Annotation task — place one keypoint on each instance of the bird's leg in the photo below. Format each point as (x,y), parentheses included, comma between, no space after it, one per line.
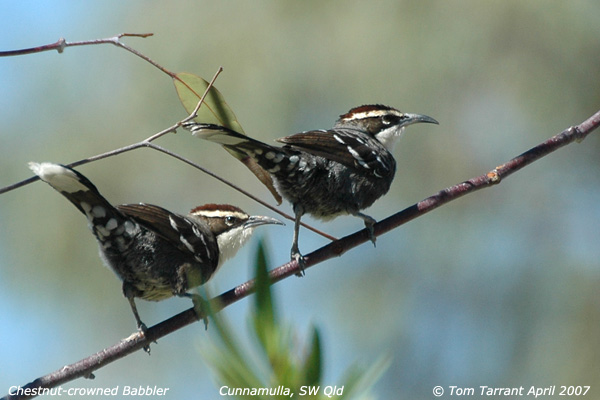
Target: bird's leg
(140,325)
(295,252)
(369,223)
(128,292)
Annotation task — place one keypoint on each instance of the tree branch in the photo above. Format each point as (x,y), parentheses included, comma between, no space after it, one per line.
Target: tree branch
(87,366)
(61,44)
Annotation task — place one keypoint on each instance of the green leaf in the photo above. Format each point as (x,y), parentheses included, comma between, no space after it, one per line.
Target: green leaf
(214,110)
(264,312)
(312,370)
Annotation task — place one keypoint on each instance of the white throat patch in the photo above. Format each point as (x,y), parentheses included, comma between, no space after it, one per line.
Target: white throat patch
(389,137)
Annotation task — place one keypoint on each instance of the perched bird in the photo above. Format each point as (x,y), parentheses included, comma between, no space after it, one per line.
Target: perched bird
(155,252)
(327,173)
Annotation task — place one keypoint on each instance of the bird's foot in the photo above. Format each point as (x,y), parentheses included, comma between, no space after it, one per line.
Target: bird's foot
(299,258)
(369,226)
(142,329)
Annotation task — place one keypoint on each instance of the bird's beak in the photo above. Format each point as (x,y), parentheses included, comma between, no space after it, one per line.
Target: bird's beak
(410,119)
(257,220)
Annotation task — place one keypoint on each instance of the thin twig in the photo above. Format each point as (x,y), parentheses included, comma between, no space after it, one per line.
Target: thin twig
(61,44)
(194,113)
(87,366)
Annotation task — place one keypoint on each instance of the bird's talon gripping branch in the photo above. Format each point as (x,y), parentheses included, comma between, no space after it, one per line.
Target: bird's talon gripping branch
(299,258)
(369,226)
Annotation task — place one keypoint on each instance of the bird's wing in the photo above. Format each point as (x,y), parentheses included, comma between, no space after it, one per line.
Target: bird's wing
(345,147)
(187,235)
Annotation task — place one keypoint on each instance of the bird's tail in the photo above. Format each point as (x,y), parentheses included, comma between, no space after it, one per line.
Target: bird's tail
(271,158)
(104,219)
(227,137)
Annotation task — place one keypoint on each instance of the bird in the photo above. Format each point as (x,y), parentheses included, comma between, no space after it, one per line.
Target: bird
(156,253)
(331,172)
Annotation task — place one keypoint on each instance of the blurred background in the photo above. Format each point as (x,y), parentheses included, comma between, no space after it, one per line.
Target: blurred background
(499,288)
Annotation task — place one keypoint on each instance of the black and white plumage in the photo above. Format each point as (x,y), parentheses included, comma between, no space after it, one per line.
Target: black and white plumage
(327,173)
(156,253)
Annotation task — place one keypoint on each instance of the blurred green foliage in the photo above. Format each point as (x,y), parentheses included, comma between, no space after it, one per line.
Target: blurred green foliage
(276,360)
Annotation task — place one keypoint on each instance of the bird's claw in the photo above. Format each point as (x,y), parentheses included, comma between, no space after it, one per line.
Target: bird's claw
(371,234)
(299,258)
(369,226)
(142,329)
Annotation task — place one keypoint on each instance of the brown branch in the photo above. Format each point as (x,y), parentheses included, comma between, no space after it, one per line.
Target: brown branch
(87,366)
(61,44)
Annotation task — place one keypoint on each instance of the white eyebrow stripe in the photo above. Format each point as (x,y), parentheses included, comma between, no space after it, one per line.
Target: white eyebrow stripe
(375,113)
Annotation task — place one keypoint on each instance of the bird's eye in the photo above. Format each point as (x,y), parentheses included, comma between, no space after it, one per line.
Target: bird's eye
(386,120)
(230,220)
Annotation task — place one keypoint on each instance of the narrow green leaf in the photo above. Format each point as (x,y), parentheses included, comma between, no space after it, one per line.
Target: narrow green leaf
(312,369)
(215,110)
(264,314)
